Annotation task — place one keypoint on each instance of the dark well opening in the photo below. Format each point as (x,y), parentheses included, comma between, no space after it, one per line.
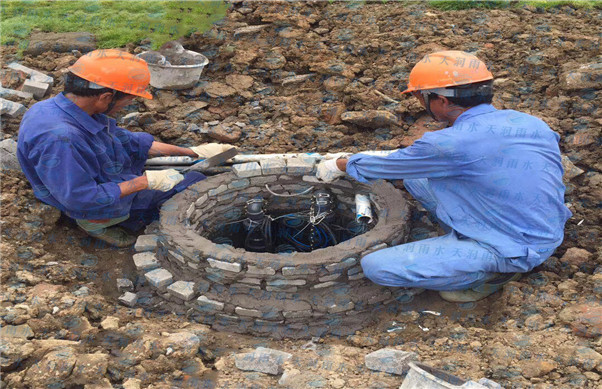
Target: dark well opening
(263,226)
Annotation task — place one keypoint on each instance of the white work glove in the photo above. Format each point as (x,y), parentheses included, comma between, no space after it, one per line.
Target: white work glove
(163,180)
(210,149)
(328,171)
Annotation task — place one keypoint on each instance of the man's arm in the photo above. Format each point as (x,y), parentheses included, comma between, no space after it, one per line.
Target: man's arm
(160,149)
(132,186)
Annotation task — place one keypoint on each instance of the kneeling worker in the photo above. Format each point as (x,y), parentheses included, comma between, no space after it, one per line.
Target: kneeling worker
(79,161)
(493,180)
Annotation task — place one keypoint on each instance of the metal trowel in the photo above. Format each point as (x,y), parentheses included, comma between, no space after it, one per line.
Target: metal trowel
(216,160)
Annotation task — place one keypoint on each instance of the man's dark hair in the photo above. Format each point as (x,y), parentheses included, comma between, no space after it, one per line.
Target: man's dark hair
(481,93)
(80,87)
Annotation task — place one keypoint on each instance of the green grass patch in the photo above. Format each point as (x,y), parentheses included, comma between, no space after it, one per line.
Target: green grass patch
(114,23)
(453,5)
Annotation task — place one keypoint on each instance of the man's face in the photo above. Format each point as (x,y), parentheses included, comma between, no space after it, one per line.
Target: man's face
(439,106)
(105,99)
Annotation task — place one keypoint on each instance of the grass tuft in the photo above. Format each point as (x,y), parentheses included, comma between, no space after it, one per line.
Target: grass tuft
(114,23)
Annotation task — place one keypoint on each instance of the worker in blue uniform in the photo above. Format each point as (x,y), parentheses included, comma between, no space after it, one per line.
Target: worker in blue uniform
(492,179)
(79,161)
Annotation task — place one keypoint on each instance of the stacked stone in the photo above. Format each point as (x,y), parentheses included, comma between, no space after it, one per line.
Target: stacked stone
(292,295)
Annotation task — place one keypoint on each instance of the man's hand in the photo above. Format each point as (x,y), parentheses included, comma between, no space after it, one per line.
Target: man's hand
(328,170)
(163,180)
(210,149)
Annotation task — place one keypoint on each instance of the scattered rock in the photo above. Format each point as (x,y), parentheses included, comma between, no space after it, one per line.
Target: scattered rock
(125,285)
(89,367)
(576,256)
(8,155)
(13,351)
(263,360)
(222,133)
(370,119)
(11,108)
(570,170)
(183,344)
(53,369)
(390,360)
(22,331)
(250,29)
(186,110)
(217,89)
(584,77)
(110,323)
(128,299)
(537,368)
(584,319)
(239,82)
(273,60)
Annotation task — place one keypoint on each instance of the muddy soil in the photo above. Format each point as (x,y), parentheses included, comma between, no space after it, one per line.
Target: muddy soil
(284,87)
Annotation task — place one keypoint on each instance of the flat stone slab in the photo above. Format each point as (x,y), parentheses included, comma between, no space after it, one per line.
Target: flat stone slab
(37,89)
(300,165)
(159,277)
(206,304)
(33,74)
(228,266)
(182,289)
(145,261)
(248,169)
(11,92)
(273,166)
(146,243)
(263,360)
(390,360)
(11,108)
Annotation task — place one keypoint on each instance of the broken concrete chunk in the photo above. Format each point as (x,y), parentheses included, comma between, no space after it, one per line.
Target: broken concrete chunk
(390,360)
(263,360)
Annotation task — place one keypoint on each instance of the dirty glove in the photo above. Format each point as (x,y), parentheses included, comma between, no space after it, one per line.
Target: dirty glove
(163,180)
(210,149)
(328,171)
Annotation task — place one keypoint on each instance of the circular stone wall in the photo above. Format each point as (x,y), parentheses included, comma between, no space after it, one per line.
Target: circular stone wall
(281,295)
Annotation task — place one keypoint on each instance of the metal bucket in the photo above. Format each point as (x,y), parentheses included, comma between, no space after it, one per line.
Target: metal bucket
(173,67)
(421,376)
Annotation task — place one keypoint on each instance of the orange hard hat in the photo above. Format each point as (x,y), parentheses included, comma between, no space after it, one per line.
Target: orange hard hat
(115,69)
(447,68)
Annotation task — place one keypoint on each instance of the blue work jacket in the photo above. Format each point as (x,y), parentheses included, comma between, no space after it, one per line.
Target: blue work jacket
(497,177)
(75,161)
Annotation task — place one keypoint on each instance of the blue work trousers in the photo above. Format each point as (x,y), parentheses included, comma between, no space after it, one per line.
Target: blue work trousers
(448,262)
(146,204)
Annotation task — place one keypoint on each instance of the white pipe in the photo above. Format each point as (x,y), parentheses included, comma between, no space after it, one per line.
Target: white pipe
(363,210)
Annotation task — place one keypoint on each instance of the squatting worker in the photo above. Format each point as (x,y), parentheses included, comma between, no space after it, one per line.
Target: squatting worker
(493,179)
(80,162)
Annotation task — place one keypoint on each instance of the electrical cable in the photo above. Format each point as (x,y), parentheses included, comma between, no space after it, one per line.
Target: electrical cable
(289,195)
